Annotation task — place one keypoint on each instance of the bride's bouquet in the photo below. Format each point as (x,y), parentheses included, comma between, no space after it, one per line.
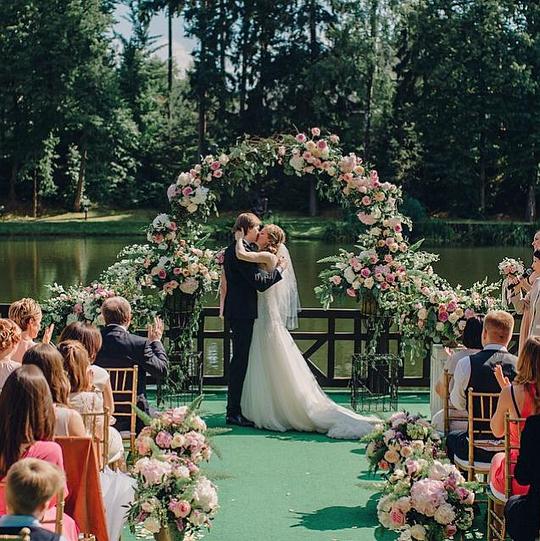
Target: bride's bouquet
(400,438)
(171,494)
(511,268)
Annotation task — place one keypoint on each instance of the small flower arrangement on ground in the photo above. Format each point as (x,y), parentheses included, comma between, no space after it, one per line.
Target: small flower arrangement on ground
(433,503)
(401,437)
(190,269)
(171,491)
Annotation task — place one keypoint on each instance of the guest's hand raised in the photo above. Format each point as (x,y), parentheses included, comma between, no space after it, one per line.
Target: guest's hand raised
(239,235)
(500,377)
(155,330)
(47,334)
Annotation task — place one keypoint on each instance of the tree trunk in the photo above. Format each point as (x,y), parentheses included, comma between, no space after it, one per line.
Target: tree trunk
(530,211)
(12,196)
(169,60)
(373,22)
(313,53)
(482,170)
(80,179)
(35,194)
(244,62)
(222,59)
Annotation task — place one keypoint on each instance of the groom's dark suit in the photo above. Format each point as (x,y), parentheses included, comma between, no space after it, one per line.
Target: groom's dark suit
(243,281)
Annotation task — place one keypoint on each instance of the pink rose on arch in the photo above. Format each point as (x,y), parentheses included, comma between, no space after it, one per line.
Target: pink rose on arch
(398,228)
(307,155)
(365,272)
(218,173)
(373,175)
(366,219)
(366,200)
(78,308)
(301,138)
(177,271)
(171,191)
(383,465)
(172,226)
(158,238)
(450,530)
(322,145)
(390,278)
(187,191)
(373,259)
(334,138)
(336,280)
(215,166)
(379,276)
(451,306)
(355,264)
(162,274)
(351,292)
(317,163)
(315,132)
(469,313)
(385,286)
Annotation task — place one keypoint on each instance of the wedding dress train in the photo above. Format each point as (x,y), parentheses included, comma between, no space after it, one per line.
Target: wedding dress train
(280,393)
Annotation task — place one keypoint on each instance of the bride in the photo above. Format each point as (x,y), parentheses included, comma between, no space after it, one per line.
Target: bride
(280,392)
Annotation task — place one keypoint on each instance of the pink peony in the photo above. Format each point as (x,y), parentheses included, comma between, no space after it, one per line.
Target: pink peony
(78,308)
(351,292)
(315,132)
(336,280)
(443,316)
(450,530)
(334,138)
(164,439)
(427,495)
(177,271)
(301,138)
(365,272)
(469,313)
(171,192)
(366,200)
(217,174)
(215,166)
(451,306)
(162,274)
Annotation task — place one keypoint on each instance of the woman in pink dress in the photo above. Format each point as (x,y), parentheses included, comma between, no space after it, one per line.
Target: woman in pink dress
(27,431)
(520,399)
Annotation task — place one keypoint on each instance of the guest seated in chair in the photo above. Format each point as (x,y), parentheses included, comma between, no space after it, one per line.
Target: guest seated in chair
(121,349)
(472,343)
(523,512)
(518,399)
(31,485)
(478,372)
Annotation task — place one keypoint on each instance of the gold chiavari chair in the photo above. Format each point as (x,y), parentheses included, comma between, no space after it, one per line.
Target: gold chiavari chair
(447,418)
(23,535)
(124,387)
(479,432)
(59,519)
(97,426)
(496,527)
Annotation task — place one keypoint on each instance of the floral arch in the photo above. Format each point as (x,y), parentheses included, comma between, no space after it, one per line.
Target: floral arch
(384,269)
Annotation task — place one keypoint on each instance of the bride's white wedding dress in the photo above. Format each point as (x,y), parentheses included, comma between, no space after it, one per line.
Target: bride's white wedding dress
(280,392)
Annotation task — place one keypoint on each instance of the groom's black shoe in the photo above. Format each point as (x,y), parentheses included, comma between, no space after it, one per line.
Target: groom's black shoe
(238,420)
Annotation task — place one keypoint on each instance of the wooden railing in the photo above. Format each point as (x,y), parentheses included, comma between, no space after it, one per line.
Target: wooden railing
(327,351)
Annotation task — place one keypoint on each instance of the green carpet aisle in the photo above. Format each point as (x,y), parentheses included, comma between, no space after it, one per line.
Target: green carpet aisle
(293,486)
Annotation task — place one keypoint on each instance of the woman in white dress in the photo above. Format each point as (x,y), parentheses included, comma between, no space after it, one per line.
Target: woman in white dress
(280,392)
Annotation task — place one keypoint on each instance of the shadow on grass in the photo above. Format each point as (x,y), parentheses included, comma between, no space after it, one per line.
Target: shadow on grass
(340,517)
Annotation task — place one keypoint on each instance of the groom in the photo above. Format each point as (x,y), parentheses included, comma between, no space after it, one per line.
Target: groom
(243,281)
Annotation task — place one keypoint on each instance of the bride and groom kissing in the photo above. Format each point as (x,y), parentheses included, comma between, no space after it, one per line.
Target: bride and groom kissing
(270,383)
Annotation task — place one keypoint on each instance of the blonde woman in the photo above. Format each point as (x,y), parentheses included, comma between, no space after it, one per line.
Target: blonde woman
(280,392)
(26,313)
(10,336)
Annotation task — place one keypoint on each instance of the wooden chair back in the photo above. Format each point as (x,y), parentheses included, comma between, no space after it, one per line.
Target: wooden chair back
(124,388)
(480,407)
(511,450)
(97,426)
(447,406)
(23,535)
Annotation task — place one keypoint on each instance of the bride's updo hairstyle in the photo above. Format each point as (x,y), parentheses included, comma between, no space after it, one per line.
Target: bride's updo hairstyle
(10,336)
(276,236)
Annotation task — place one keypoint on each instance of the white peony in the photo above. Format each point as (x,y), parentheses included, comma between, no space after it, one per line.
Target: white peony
(189,286)
(349,275)
(369,282)
(205,495)
(418,532)
(445,514)
(200,196)
(297,162)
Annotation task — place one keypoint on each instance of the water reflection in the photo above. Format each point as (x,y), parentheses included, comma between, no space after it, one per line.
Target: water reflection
(28,264)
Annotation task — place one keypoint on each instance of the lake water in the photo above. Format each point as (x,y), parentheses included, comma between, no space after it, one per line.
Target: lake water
(29,264)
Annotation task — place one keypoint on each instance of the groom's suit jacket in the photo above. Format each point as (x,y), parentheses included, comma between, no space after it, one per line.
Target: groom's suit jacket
(244,279)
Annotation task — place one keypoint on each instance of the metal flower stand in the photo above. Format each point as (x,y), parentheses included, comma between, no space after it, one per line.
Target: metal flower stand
(374,382)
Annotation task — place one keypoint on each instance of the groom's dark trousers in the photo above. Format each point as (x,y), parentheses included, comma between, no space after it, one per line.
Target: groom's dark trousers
(243,281)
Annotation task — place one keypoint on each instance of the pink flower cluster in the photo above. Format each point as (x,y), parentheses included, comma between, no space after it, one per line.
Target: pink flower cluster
(313,154)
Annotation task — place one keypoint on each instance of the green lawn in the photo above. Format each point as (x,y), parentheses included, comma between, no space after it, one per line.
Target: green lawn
(295,486)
